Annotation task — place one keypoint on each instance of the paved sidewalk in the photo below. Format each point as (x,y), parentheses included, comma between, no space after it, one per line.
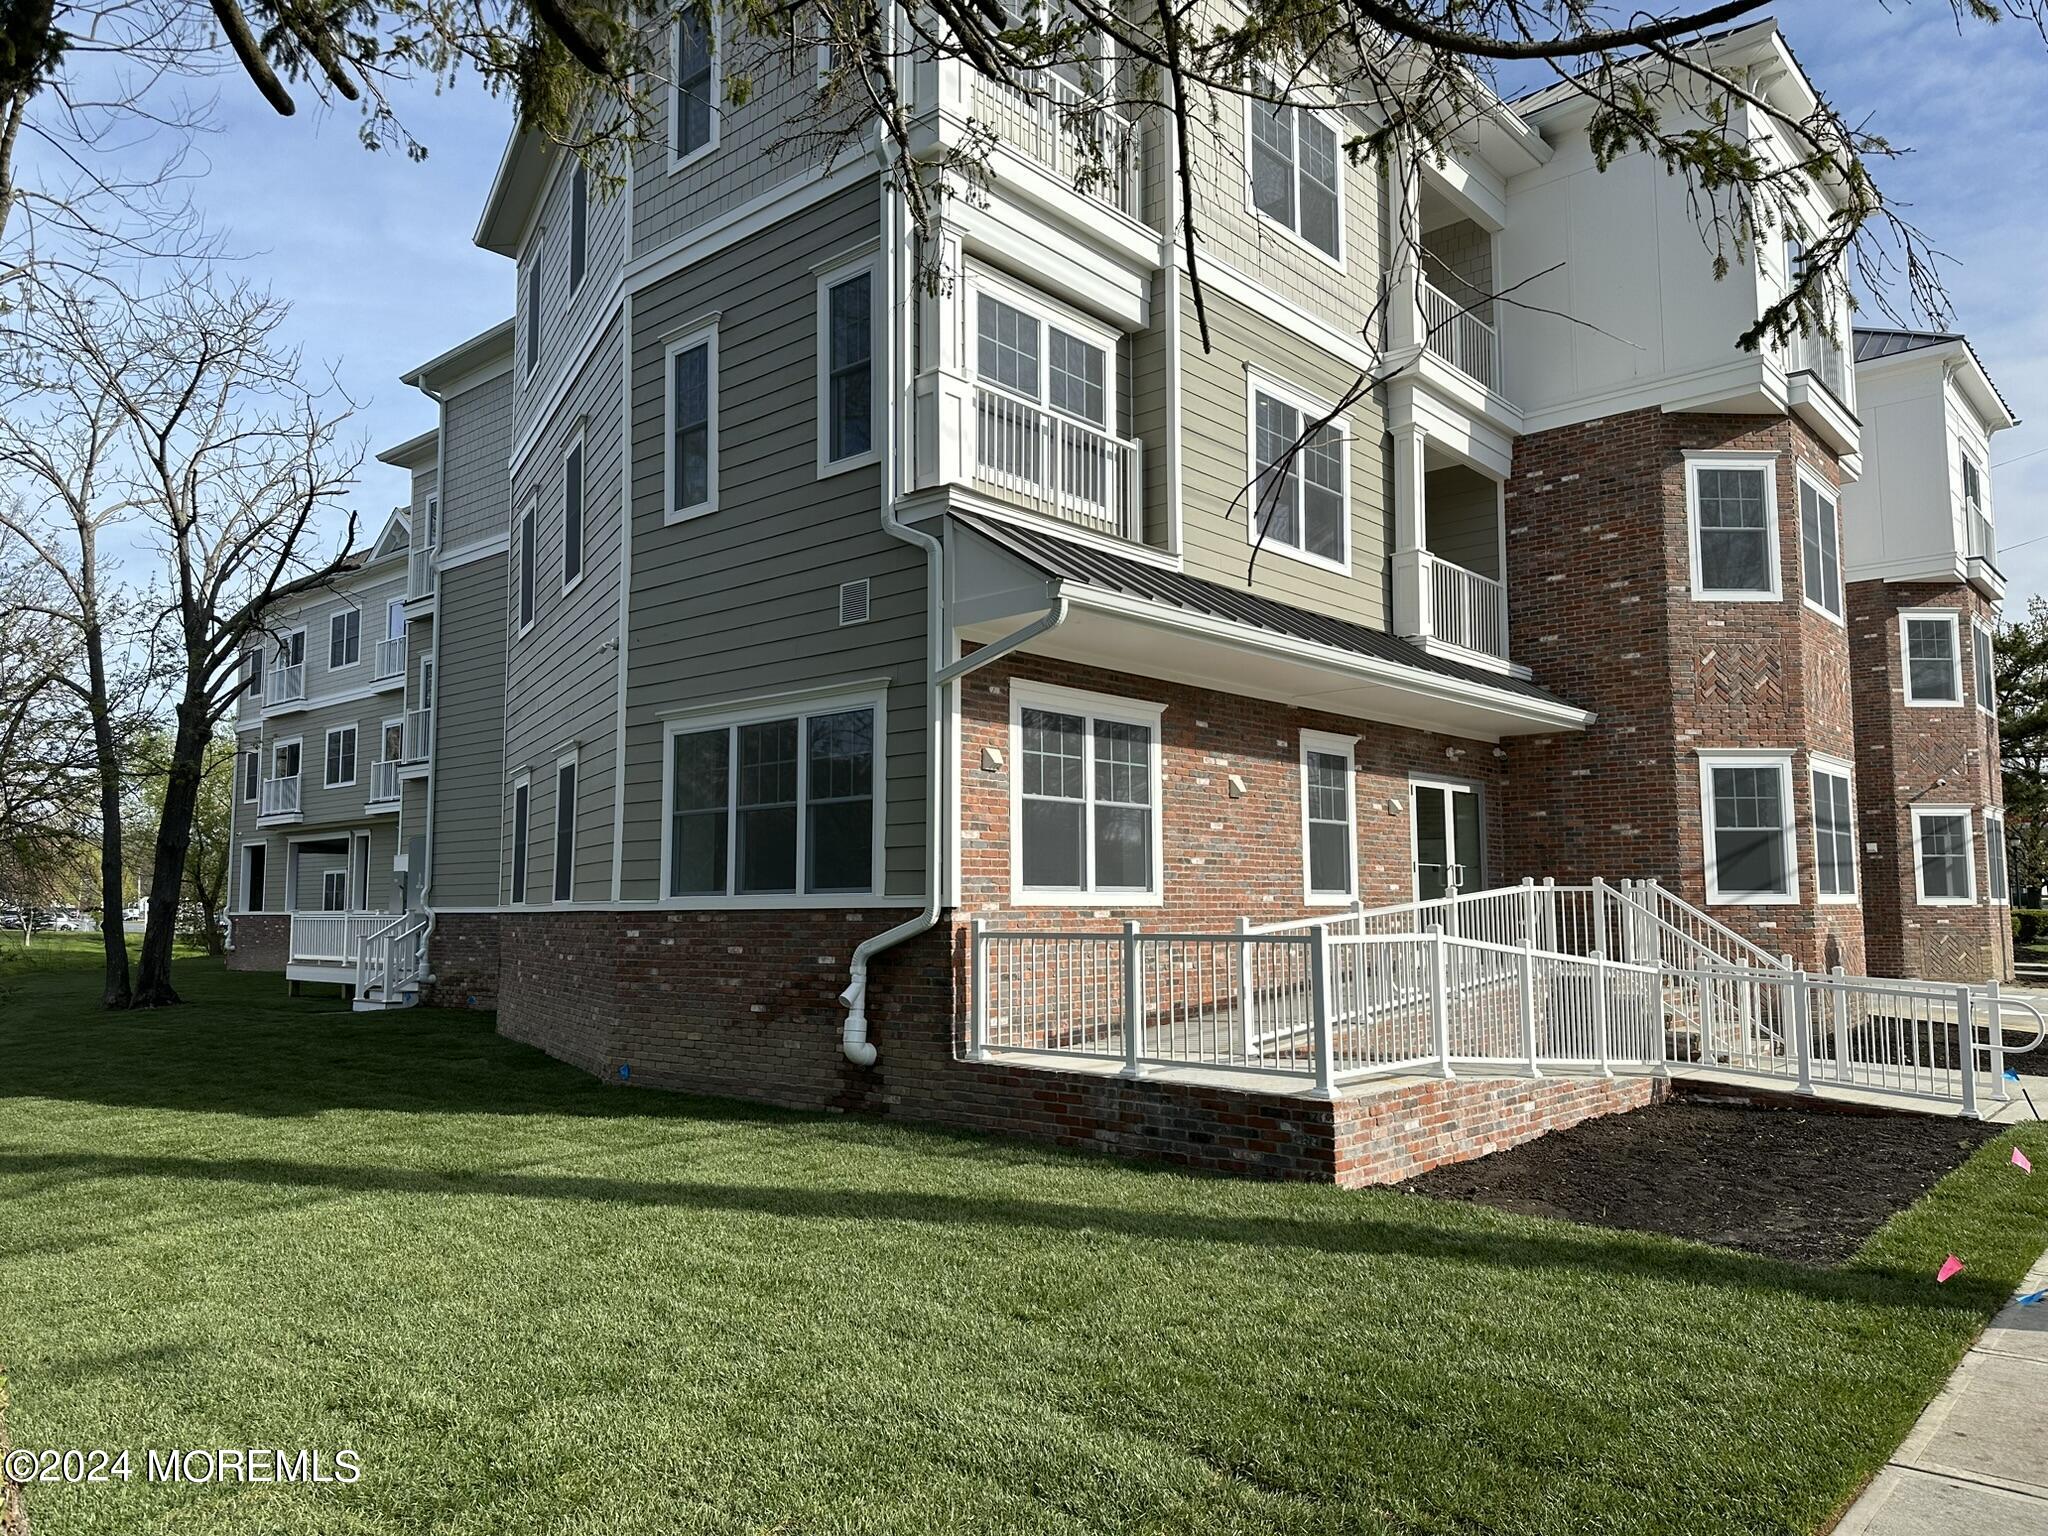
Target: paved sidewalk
(1977,1462)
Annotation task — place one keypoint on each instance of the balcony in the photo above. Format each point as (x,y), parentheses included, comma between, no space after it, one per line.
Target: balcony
(1055,466)
(390,659)
(384,783)
(1816,353)
(1453,333)
(287,684)
(1983,540)
(1451,605)
(421,571)
(278,797)
(419,734)
(1053,123)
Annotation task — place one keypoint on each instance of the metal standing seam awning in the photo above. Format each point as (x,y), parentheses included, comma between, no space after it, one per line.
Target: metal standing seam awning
(1126,615)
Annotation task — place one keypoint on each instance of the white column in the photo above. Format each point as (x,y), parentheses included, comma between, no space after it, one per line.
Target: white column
(1411,529)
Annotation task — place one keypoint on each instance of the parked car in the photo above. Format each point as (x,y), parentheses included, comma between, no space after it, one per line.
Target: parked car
(63,920)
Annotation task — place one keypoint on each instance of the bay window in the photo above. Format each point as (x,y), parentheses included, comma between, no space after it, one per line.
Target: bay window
(1834,832)
(1931,656)
(1820,548)
(1944,858)
(1733,511)
(1983,656)
(1746,805)
(1994,856)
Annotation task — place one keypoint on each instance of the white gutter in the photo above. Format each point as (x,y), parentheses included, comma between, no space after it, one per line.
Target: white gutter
(853,1040)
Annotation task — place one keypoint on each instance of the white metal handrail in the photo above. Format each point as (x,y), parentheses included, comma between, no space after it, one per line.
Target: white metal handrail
(334,938)
(390,660)
(421,573)
(384,781)
(287,684)
(1465,608)
(1055,465)
(279,797)
(1055,123)
(390,958)
(419,734)
(1453,332)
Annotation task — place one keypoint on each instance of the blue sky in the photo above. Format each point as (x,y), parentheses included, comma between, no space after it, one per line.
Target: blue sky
(374,250)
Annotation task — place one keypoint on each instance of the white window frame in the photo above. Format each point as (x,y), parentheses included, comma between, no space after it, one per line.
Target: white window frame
(526,568)
(298,742)
(1984,667)
(706,337)
(1256,383)
(327,879)
(1345,747)
(1767,463)
(831,278)
(680,162)
(1788,828)
(243,782)
(433,522)
(253,663)
(340,618)
(1994,817)
(1818,764)
(569,761)
(1954,619)
(285,639)
(1968,814)
(242,874)
(579,225)
(1266,220)
(1832,499)
(799,705)
(1047,311)
(327,752)
(578,454)
(519,863)
(1094,707)
(384,725)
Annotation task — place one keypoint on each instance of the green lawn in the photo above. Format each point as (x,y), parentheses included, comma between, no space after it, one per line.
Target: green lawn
(532,1303)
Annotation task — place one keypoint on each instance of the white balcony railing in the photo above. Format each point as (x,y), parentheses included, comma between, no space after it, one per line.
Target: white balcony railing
(419,734)
(1056,466)
(279,797)
(287,684)
(384,782)
(335,938)
(1438,599)
(1054,122)
(1983,539)
(1816,353)
(390,658)
(420,574)
(1455,334)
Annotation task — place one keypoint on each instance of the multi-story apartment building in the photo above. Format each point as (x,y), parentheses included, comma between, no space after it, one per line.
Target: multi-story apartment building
(777,616)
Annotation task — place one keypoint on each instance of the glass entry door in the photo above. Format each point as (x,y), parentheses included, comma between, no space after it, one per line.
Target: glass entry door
(1450,853)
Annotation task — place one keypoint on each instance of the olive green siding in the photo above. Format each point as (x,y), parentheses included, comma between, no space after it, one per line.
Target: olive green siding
(1464,518)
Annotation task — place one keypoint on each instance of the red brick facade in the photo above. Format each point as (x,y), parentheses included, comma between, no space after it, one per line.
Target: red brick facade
(462,955)
(1914,755)
(261,941)
(1601,607)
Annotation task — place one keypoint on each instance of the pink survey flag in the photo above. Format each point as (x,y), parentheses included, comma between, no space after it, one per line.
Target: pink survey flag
(1950,1268)
(2019,1161)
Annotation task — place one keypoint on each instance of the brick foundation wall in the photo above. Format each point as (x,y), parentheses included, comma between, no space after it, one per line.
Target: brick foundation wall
(1600,604)
(462,954)
(1907,756)
(262,940)
(1389,1137)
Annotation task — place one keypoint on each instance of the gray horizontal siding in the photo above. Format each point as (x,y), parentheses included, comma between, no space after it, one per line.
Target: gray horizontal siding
(469,735)
(567,316)
(477,442)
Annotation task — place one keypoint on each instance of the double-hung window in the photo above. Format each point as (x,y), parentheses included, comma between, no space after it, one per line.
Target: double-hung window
(776,805)
(252,674)
(1746,804)
(846,348)
(1295,172)
(579,224)
(1983,657)
(344,638)
(252,773)
(1301,503)
(565,828)
(1043,407)
(693,103)
(1087,797)
(522,802)
(1733,507)
(334,890)
(526,559)
(1944,858)
(1931,652)
(572,516)
(1329,825)
(1994,856)
(341,757)
(533,311)
(690,463)
(1834,832)
(1820,548)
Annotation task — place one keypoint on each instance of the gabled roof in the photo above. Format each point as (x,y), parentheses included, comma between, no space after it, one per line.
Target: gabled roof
(522,174)
(1089,566)
(414,451)
(1878,344)
(395,538)
(464,357)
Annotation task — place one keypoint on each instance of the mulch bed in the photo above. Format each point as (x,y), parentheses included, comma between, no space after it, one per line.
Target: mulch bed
(1787,1184)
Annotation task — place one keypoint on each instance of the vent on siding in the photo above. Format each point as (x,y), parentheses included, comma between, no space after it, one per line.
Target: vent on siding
(853,601)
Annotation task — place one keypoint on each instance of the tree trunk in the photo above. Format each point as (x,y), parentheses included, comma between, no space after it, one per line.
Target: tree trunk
(114,990)
(153,987)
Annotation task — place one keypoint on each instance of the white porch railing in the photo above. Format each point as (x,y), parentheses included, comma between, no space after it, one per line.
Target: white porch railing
(384,782)
(334,938)
(1056,466)
(1455,334)
(419,734)
(279,797)
(391,958)
(390,658)
(1054,123)
(420,573)
(286,684)
(1983,539)
(1818,354)
(1465,608)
